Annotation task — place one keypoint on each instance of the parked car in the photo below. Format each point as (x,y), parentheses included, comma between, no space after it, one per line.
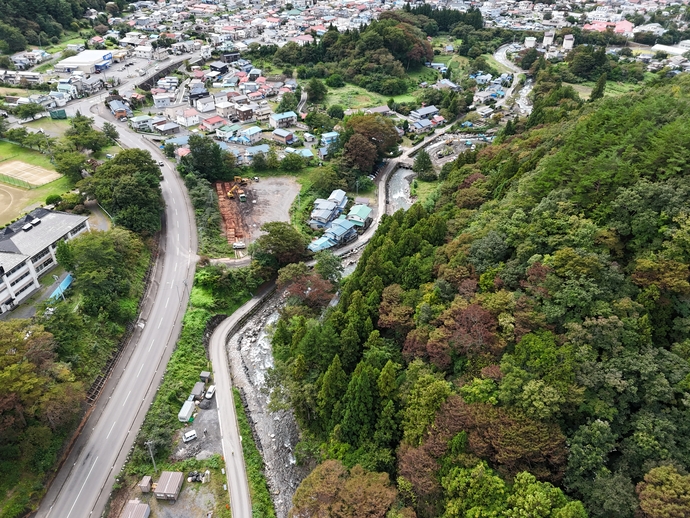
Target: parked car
(189,436)
(210,392)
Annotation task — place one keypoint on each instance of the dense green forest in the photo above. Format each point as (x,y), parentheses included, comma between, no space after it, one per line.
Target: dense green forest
(519,344)
(23,21)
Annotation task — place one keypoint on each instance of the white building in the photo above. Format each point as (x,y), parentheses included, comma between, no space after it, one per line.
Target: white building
(87,61)
(530,42)
(568,42)
(27,251)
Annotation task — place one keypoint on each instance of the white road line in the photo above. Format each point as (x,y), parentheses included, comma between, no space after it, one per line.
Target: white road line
(142,366)
(178,223)
(173,200)
(175,269)
(125,402)
(175,212)
(82,488)
(166,302)
(111,430)
(178,235)
(159,323)
(220,425)
(151,343)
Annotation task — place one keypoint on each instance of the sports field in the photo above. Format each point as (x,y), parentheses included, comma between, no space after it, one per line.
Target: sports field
(15,201)
(21,174)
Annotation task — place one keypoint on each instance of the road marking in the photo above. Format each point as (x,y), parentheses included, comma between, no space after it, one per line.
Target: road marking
(178,234)
(166,302)
(128,393)
(178,223)
(175,269)
(219,424)
(151,343)
(159,323)
(175,212)
(111,430)
(173,201)
(82,488)
(142,366)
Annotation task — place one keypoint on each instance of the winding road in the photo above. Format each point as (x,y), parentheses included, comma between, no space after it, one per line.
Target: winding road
(82,487)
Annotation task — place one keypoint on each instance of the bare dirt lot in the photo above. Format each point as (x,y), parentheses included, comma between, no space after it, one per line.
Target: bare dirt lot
(268,200)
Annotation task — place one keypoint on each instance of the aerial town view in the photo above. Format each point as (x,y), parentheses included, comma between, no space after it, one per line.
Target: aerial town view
(350,259)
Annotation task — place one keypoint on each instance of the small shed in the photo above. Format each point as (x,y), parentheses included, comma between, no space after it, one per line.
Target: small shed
(186,412)
(136,509)
(169,485)
(145,484)
(198,390)
(205,376)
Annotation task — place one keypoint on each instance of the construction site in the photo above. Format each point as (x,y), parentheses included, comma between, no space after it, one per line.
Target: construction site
(232,202)
(245,204)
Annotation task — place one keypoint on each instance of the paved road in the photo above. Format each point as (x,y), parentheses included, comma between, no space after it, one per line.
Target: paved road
(238,486)
(82,487)
(522,101)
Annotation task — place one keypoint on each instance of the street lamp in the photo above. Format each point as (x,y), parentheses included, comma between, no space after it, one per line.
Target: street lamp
(149,444)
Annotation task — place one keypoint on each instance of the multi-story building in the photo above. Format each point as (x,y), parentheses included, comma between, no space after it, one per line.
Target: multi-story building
(27,251)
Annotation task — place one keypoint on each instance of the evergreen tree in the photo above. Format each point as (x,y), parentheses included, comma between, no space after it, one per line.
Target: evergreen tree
(359,415)
(598,91)
(333,388)
(423,166)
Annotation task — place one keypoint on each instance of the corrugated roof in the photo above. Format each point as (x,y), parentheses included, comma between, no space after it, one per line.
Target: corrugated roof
(170,482)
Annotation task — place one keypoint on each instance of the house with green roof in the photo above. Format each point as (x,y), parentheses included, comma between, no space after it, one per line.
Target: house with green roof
(360,215)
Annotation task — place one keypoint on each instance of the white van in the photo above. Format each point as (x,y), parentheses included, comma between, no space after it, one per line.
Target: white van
(189,436)
(211,390)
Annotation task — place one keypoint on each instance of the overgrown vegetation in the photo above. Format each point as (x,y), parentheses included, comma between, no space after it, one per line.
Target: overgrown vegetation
(217,290)
(262,505)
(51,362)
(521,336)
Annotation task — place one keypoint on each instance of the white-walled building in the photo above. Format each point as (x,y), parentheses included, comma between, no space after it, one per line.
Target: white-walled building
(27,251)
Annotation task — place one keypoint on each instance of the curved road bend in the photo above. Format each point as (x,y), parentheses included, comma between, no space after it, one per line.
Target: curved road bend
(82,487)
(236,473)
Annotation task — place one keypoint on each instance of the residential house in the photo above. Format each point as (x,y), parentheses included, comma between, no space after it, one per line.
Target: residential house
(27,251)
(225,109)
(162,100)
(422,125)
(341,231)
(326,211)
(212,123)
(228,131)
(251,152)
(423,113)
(119,109)
(144,51)
(187,118)
(360,215)
(250,136)
(219,66)
(244,113)
(205,104)
(167,128)
(381,110)
(329,138)
(282,120)
(141,123)
(282,136)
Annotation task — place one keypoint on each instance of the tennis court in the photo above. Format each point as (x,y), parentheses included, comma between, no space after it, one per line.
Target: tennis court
(26,176)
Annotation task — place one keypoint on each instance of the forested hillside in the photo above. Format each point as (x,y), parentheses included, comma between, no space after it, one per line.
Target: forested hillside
(21,21)
(519,345)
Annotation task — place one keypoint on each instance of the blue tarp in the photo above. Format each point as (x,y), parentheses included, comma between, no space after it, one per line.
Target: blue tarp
(66,282)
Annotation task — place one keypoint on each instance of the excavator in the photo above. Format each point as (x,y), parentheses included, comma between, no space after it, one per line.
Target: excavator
(240,193)
(241,181)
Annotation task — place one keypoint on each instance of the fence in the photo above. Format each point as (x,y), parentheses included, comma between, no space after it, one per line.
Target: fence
(15,182)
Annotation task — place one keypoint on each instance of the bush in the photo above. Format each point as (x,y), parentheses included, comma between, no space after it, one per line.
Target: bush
(53,199)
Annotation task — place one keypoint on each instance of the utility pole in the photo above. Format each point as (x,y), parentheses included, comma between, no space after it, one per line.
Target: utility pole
(149,443)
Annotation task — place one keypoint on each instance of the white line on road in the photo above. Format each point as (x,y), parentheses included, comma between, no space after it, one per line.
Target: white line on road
(175,212)
(159,323)
(82,488)
(166,302)
(128,393)
(178,223)
(175,269)
(111,430)
(142,366)
(151,343)
(220,425)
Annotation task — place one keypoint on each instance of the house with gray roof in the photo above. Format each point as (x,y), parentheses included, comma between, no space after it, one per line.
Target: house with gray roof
(27,251)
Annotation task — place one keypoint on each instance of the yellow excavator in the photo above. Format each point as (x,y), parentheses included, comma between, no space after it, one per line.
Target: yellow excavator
(241,181)
(231,192)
